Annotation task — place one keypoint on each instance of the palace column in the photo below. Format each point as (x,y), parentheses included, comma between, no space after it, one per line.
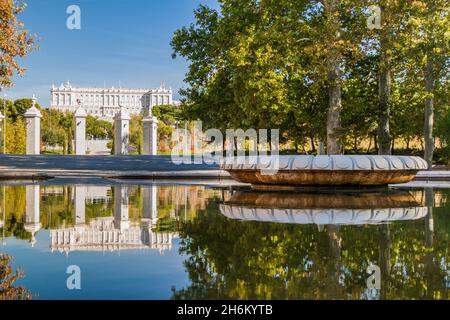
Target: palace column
(121,218)
(80,131)
(33,119)
(121,132)
(32,219)
(150,128)
(80,205)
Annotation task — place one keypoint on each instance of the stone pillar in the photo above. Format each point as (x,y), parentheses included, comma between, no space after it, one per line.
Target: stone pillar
(150,205)
(121,218)
(33,118)
(150,125)
(80,131)
(80,205)
(121,132)
(32,219)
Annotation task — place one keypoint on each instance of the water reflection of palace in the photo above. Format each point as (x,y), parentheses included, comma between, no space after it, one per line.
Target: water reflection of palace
(102,233)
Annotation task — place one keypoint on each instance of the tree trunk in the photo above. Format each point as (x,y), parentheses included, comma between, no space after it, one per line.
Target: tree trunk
(375,139)
(334,140)
(297,146)
(429,115)
(430,265)
(65,146)
(334,130)
(334,256)
(69,142)
(392,145)
(384,91)
(384,83)
(370,144)
(312,145)
(385,244)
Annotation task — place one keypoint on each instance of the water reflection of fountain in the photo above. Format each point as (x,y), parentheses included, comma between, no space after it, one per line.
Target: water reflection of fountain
(324,208)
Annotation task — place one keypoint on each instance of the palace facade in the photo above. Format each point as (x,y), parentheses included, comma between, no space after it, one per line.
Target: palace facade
(104,103)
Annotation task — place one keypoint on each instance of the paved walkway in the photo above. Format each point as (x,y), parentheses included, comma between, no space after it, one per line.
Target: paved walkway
(130,167)
(438,175)
(42,166)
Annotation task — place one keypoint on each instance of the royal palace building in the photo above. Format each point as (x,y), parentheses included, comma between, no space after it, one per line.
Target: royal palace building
(104,103)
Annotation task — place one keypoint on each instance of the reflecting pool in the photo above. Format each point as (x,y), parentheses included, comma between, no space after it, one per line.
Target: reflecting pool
(152,241)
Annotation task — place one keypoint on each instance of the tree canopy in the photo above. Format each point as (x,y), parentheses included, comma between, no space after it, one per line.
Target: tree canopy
(315,70)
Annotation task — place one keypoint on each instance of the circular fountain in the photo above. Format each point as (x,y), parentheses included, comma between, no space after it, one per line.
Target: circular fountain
(323,170)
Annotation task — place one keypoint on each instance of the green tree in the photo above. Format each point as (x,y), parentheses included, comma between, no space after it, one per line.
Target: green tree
(265,64)
(16,137)
(22,105)
(430,47)
(136,133)
(98,129)
(57,128)
(169,117)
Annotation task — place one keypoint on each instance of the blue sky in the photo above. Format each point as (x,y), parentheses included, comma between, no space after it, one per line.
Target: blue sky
(123,42)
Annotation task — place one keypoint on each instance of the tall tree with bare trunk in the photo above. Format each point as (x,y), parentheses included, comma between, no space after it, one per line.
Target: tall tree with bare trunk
(429,42)
(334,129)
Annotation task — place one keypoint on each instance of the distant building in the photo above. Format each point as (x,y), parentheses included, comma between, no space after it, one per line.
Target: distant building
(104,103)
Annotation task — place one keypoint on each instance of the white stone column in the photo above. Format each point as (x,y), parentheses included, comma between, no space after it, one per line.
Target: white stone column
(80,131)
(32,205)
(80,205)
(150,128)
(121,217)
(33,118)
(150,205)
(121,132)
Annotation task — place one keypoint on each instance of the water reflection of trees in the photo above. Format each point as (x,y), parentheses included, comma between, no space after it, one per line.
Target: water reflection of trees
(9,291)
(230,259)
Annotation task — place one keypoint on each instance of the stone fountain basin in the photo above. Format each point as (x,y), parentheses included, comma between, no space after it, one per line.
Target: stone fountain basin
(324,170)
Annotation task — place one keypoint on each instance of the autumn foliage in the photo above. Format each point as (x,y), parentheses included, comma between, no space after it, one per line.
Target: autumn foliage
(15,41)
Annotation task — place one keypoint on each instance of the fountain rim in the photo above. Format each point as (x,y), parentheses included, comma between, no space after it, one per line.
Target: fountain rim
(324,163)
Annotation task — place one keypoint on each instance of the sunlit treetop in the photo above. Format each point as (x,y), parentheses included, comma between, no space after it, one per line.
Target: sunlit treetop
(15,40)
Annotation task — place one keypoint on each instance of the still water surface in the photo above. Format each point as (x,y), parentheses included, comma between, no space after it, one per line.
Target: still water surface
(195,242)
